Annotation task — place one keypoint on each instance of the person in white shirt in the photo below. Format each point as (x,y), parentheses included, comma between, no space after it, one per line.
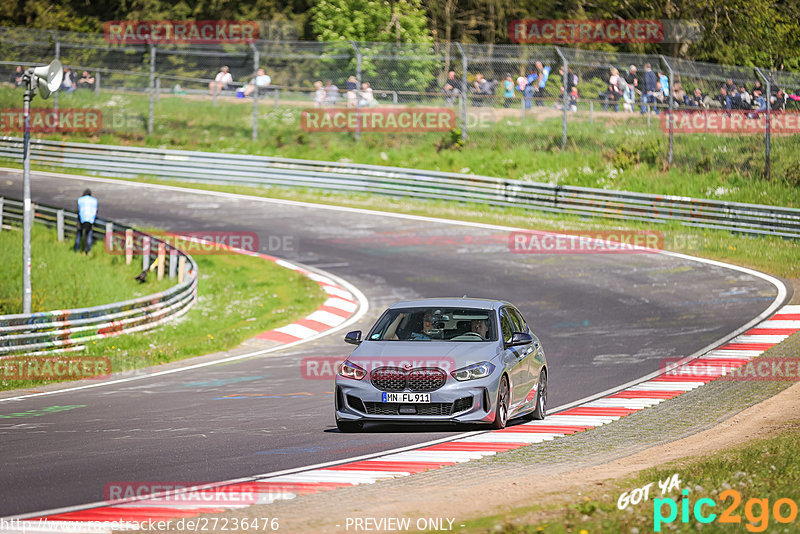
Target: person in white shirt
(221,81)
(367,98)
(262,81)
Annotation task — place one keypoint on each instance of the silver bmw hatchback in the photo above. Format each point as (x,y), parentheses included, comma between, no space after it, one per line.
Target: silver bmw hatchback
(443,360)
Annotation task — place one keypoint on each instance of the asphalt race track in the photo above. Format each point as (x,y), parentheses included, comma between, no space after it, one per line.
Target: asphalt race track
(604,319)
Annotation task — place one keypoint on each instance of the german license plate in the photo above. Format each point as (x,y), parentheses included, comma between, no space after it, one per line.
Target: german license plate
(411,398)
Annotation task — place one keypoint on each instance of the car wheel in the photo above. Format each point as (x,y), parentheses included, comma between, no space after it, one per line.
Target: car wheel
(501,409)
(541,398)
(349,426)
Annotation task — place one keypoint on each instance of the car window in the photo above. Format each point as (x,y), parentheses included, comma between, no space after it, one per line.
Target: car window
(435,324)
(519,323)
(506,324)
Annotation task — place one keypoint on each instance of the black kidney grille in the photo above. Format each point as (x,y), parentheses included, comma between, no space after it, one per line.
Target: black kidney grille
(393,408)
(425,379)
(419,379)
(388,379)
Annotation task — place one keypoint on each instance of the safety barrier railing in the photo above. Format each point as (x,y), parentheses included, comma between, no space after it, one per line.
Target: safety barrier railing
(131,162)
(67,330)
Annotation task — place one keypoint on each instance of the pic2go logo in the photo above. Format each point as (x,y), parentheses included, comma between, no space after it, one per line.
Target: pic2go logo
(756,511)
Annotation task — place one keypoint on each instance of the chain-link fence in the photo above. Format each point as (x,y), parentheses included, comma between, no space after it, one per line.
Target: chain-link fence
(605,106)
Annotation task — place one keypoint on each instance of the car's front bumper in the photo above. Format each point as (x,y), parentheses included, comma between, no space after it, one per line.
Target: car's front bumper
(456,402)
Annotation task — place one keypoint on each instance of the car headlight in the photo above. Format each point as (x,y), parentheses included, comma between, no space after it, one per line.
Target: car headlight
(350,370)
(471,372)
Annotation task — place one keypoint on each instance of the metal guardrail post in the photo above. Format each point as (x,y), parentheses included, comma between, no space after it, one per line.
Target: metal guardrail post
(464,92)
(565,99)
(671,117)
(128,246)
(358,88)
(60,225)
(109,237)
(1,214)
(152,88)
(255,90)
(162,249)
(145,252)
(173,262)
(181,269)
(768,128)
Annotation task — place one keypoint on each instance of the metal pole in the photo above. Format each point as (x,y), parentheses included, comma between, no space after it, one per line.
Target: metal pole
(1,214)
(671,107)
(97,84)
(565,102)
(110,237)
(58,56)
(26,194)
(768,129)
(152,87)
(358,88)
(464,100)
(60,225)
(255,90)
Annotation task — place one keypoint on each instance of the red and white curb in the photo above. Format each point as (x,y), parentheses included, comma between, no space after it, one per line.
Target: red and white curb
(127,514)
(338,308)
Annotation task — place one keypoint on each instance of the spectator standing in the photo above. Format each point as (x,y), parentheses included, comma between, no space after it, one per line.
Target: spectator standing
(87,214)
(261,81)
(68,82)
(86,81)
(664,81)
(452,88)
(352,91)
(331,93)
(530,88)
(319,95)
(221,81)
(508,91)
(543,75)
(612,93)
(632,79)
(649,90)
(16,76)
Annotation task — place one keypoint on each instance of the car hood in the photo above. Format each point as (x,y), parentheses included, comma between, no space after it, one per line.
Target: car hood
(447,355)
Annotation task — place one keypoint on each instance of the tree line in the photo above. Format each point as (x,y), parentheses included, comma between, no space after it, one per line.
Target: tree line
(763,33)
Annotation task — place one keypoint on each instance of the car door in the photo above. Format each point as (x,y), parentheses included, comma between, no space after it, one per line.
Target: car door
(515,358)
(535,358)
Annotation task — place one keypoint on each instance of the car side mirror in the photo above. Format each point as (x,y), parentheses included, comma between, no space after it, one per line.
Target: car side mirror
(519,338)
(354,337)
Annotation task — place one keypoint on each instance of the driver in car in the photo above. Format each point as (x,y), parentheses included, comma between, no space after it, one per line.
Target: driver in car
(427,328)
(480,327)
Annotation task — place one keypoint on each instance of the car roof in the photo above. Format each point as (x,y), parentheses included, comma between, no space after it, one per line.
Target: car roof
(452,302)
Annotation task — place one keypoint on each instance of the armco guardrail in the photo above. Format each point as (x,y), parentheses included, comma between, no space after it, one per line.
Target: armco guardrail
(261,170)
(62,330)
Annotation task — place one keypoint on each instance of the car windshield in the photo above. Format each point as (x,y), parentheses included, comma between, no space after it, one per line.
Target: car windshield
(435,324)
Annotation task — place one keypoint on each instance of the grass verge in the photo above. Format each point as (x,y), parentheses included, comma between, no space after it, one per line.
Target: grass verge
(763,469)
(62,279)
(238,297)
(613,151)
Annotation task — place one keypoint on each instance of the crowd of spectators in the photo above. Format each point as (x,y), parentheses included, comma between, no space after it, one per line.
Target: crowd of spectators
(68,81)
